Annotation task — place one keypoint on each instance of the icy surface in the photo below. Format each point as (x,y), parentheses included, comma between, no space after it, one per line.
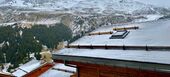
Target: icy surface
(149,33)
(132,55)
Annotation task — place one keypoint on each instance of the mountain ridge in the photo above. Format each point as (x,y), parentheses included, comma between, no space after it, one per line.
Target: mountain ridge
(84,6)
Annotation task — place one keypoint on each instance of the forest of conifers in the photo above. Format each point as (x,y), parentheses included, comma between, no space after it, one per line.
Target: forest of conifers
(18,43)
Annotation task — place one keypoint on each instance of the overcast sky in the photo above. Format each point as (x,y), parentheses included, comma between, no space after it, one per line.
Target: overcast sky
(164,3)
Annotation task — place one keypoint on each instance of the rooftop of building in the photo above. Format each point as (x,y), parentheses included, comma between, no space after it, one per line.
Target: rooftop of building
(144,48)
(149,33)
(56,70)
(147,47)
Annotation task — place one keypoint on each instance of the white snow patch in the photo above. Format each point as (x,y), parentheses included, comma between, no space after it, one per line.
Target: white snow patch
(7,43)
(32,55)
(48,21)
(1,44)
(149,18)
(6,66)
(20,32)
(53,73)
(28,67)
(62,66)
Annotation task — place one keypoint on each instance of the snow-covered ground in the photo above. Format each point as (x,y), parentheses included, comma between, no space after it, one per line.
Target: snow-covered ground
(98,6)
(151,17)
(5,69)
(5,24)
(45,21)
(48,22)
(1,44)
(2,1)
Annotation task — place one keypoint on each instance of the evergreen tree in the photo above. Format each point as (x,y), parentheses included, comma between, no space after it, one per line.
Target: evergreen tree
(18,47)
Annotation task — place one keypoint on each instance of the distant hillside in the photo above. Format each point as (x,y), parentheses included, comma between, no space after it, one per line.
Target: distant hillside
(85,6)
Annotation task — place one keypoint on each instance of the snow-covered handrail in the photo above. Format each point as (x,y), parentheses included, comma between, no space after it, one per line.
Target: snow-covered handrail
(121,47)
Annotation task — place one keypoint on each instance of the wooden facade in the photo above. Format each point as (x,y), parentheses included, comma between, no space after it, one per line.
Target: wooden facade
(94,70)
(37,72)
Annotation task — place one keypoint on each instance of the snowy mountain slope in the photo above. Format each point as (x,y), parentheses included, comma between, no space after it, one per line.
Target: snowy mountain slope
(2,1)
(87,6)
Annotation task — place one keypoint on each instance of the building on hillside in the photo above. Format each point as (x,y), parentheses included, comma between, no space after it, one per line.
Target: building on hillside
(143,52)
(35,68)
(44,67)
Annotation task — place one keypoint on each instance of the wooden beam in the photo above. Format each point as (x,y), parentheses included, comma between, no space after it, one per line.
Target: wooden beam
(125,28)
(100,33)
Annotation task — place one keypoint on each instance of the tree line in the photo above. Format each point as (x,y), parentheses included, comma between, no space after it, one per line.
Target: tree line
(18,43)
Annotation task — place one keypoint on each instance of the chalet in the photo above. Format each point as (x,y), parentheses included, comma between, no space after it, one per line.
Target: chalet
(144,52)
